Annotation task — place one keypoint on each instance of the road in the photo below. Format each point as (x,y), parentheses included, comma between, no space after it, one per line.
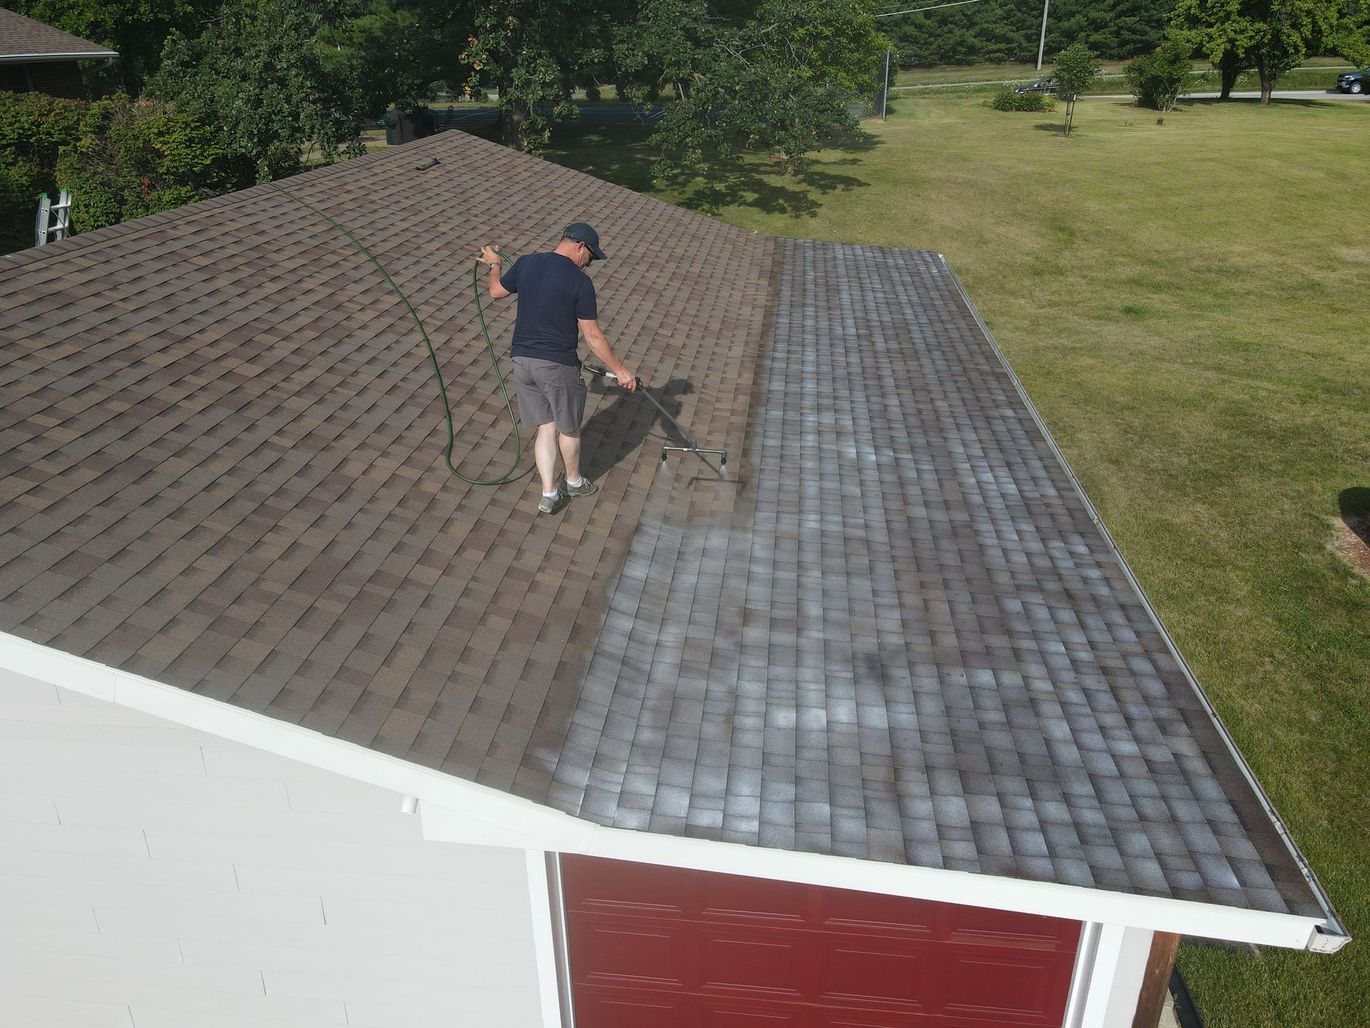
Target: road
(1279,94)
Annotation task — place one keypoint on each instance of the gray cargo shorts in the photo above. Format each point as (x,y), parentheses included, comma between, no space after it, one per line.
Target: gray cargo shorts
(548,391)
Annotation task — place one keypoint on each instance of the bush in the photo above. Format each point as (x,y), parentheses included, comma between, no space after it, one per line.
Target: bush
(33,129)
(592,93)
(1159,78)
(134,158)
(1005,99)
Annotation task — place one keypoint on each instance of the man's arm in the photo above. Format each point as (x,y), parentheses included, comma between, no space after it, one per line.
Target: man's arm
(599,346)
(491,260)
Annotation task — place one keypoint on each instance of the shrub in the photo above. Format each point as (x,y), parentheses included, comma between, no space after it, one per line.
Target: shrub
(134,158)
(592,93)
(1005,99)
(1157,79)
(33,129)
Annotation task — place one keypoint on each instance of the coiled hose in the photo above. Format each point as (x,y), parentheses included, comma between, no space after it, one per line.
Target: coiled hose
(432,353)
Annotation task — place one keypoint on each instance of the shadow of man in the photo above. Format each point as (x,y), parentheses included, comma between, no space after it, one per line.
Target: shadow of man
(620,428)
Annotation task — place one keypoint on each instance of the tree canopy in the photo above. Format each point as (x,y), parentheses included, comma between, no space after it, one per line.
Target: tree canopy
(258,76)
(1007,30)
(780,79)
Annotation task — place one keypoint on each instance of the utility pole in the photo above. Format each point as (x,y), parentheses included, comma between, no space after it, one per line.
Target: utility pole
(1042,43)
(885,92)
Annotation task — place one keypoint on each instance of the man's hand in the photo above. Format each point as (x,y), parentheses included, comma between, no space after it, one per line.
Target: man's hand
(626,379)
(489,257)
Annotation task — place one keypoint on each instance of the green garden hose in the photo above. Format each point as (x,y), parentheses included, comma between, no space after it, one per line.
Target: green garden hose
(432,354)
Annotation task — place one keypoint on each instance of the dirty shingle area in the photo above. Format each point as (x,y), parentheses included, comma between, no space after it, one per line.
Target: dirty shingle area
(891,631)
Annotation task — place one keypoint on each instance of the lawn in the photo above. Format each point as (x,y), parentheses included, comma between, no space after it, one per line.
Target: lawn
(1187,306)
(1315,73)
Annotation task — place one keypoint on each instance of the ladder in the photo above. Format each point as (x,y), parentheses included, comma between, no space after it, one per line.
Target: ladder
(47,230)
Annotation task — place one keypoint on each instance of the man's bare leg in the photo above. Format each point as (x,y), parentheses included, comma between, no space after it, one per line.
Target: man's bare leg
(570,455)
(545,455)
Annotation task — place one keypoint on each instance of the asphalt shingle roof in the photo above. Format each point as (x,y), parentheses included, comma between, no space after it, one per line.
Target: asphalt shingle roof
(24,37)
(892,631)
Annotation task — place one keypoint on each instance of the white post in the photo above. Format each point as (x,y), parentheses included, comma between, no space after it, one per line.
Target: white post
(1042,43)
(1109,969)
(885,93)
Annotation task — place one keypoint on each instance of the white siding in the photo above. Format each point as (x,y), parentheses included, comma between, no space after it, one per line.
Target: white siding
(153,875)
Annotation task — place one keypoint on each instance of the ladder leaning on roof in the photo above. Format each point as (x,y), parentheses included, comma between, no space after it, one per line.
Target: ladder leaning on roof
(45,230)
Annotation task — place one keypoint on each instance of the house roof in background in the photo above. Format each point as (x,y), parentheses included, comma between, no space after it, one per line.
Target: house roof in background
(893,631)
(23,38)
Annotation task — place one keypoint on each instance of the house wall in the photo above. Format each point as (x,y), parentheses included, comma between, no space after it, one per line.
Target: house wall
(154,875)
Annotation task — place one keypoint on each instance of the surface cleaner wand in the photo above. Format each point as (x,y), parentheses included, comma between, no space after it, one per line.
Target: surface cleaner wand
(692,444)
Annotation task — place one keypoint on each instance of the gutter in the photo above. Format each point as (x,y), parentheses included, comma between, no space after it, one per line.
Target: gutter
(46,58)
(1328,938)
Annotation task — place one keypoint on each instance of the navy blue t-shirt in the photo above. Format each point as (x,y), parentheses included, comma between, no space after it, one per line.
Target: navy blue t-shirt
(553,295)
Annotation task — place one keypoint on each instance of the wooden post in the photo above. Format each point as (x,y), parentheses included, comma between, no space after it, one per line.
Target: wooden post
(1156,981)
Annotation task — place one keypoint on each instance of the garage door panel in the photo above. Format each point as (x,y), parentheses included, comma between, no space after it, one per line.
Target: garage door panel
(844,910)
(754,961)
(657,947)
(608,1008)
(624,887)
(875,971)
(627,953)
(756,1015)
(734,898)
(976,926)
(1003,988)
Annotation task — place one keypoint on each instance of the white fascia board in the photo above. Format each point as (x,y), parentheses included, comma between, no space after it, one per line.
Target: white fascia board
(455,810)
(98,55)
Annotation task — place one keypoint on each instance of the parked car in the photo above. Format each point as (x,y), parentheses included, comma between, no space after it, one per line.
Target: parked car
(1046,85)
(1354,82)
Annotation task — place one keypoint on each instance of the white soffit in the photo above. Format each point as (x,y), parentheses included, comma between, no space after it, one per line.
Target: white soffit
(455,810)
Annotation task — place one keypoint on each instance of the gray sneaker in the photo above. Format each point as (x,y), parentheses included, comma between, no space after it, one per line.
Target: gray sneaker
(554,504)
(586,488)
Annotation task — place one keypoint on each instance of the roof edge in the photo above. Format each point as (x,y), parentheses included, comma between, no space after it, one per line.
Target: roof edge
(456,810)
(50,57)
(1334,935)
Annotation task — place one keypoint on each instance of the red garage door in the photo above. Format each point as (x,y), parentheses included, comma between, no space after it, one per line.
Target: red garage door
(658,947)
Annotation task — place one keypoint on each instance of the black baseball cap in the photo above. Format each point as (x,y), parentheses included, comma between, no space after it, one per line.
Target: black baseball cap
(583,233)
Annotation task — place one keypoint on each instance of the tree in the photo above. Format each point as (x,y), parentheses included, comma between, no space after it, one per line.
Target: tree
(1272,36)
(137,29)
(259,76)
(534,52)
(778,79)
(138,157)
(1159,78)
(1076,71)
(397,53)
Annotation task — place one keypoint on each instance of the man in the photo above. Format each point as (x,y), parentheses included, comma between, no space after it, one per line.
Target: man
(556,300)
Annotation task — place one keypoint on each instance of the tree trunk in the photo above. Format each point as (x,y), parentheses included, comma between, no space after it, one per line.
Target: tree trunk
(511,121)
(1267,84)
(1228,72)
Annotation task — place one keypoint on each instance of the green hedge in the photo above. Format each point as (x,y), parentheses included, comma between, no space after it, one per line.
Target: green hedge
(33,130)
(1005,99)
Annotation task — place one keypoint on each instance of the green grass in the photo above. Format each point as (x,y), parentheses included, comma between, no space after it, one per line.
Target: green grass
(1187,306)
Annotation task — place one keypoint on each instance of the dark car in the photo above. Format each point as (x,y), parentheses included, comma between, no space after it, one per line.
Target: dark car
(1046,85)
(1354,82)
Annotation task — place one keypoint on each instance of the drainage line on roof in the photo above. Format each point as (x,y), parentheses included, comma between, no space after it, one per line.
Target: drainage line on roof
(432,353)
(1327,938)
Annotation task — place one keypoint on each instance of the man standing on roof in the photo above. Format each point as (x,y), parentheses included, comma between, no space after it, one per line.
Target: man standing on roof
(556,301)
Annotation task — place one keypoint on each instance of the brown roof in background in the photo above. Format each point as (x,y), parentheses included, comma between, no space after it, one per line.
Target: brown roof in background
(22,37)
(892,631)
